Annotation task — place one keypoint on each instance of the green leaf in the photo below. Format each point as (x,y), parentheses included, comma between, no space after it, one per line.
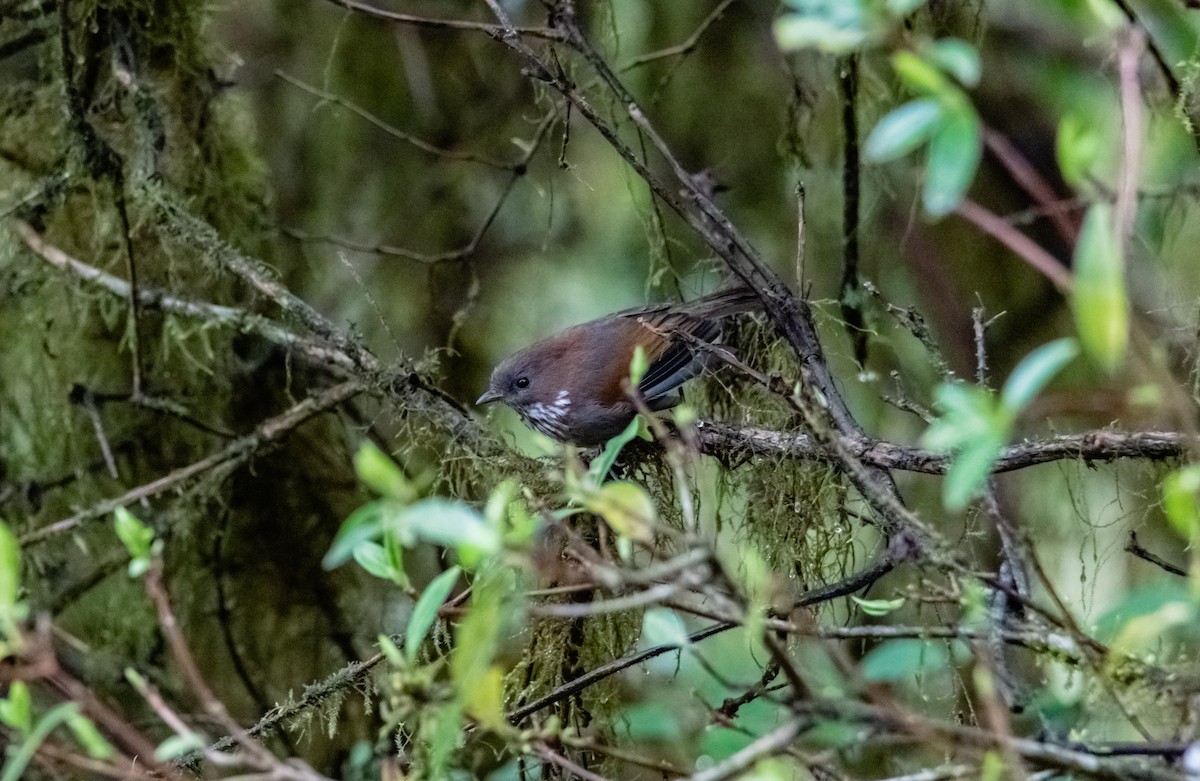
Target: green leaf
(89,737)
(390,651)
(478,635)
(393,552)
(601,465)
(968,414)
(835,26)
(956,57)
(1148,629)
(441,732)
(363,525)
(1078,147)
(896,660)
(19,760)
(921,77)
(10,570)
(440,521)
(638,366)
(903,130)
(452,524)
(954,153)
(135,535)
(627,509)
(381,473)
(992,767)
(1140,601)
(16,710)
(969,470)
(178,745)
(424,613)
(496,509)
(972,427)
(653,720)
(374,559)
(1098,297)
(661,626)
(485,701)
(902,8)
(1181,501)
(878,607)
(1034,372)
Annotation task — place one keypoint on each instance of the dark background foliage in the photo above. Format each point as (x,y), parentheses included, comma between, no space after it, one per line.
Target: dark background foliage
(380,209)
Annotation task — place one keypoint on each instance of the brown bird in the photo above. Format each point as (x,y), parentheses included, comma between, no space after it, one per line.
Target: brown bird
(570,386)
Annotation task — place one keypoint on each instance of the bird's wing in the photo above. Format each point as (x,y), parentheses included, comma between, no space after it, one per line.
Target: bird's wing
(679,361)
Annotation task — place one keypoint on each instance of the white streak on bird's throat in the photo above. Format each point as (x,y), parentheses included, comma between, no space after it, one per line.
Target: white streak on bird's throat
(548,417)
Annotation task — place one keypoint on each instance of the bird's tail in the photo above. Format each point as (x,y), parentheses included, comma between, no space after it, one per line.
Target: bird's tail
(724,302)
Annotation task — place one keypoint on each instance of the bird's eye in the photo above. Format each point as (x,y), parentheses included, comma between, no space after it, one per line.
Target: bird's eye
(522,382)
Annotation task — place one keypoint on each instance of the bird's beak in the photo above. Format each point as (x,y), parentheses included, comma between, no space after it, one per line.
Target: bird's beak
(489,397)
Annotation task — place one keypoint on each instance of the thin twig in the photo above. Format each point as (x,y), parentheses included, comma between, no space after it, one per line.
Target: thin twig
(495,31)
(1133,43)
(688,45)
(1023,246)
(769,744)
(1023,173)
(394,132)
(553,757)
(1132,546)
(233,455)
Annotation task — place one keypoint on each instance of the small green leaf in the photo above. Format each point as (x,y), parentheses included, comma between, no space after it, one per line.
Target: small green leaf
(493,603)
(627,509)
(1137,602)
(452,524)
(921,77)
(178,745)
(835,26)
(992,767)
(954,153)
(425,611)
(1098,297)
(968,414)
(381,473)
(363,525)
(638,366)
(496,510)
(135,535)
(1078,147)
(972,427)
(653,720)
(10,569)
(896,660)
(878,607)
(89,737)
(16,710)
(661,626)
(1034,372)
(388,648)
(969,470)
(19,759)
(441,732)
(902,8)
(599,468)
(903,130)
(485,701)
(956,57)
(1148,629)
(1181,501)
(374,559)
